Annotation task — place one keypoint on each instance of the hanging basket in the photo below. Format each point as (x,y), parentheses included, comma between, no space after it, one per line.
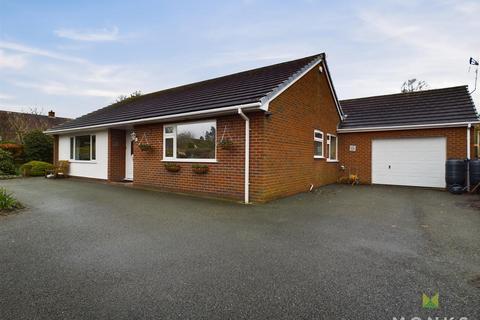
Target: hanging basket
(143,143)
(200,168)
(172,167)
(226,144)
(145,146)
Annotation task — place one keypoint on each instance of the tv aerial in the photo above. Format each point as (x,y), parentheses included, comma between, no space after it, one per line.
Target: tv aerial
(474,62)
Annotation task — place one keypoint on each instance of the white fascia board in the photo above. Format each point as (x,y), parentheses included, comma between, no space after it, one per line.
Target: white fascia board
(332,90)
(409,127)
(179,116)
(289,82)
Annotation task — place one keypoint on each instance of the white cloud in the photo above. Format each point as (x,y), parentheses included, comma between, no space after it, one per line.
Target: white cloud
(56,74)
(236,57)
(469,8)
(402,43)
(102,35)
(49,87)
(5,97)
(58,88)
(38,52)
(371,48)
(12,61)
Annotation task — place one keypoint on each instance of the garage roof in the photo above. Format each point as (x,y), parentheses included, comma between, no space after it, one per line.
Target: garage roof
(438,106)
(253,86)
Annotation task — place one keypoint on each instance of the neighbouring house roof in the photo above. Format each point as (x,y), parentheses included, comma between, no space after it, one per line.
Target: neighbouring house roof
(447,106)
(239,89)
(13,122)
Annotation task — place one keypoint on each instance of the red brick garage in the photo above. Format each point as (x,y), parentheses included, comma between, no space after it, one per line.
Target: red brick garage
(436,121)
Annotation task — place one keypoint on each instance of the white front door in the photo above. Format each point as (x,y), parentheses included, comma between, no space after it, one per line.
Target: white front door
(129,156)
(409,161)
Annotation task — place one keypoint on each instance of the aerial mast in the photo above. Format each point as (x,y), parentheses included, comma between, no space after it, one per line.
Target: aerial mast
(474,62)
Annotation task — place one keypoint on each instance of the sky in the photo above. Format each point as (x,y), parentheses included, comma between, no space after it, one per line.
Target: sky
(74,57)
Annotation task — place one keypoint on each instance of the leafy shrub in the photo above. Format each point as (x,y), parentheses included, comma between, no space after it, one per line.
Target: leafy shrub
(36,168)
(38,146)
(26,170)
(7,201)
(5,156)
(7,167)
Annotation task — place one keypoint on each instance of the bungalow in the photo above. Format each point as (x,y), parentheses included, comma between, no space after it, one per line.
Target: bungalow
(257,135)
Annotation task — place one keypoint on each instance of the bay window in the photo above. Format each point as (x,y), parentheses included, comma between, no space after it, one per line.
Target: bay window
(193,141)
(83,148)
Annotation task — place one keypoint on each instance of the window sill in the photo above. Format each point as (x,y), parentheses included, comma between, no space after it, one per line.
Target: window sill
(191,160)
(83,161)
(332,160)
(318,157)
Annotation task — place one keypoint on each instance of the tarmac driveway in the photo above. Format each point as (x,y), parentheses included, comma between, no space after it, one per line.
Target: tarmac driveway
(91,250)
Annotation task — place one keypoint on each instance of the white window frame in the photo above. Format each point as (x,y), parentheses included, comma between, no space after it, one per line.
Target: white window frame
(72,152)
(322,140)
(174,136)
(329,158)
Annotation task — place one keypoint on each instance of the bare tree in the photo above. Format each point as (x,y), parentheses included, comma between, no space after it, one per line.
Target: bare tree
(412,85)
(23,122)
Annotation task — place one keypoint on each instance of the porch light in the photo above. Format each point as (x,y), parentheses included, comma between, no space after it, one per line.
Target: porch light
(133,136)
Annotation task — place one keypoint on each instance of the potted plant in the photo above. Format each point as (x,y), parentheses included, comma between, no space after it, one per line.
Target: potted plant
(200,168)
(172,167)
(145,146)
(226,144)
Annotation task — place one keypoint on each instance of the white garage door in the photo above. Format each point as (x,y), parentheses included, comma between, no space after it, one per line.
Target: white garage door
(409,162)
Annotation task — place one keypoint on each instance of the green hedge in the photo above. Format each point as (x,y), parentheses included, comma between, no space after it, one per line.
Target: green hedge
(7,167)
(37,168)
(38,146)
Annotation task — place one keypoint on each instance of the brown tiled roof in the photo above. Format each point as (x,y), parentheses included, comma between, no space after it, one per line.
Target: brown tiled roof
(52,121)
(438,106)
(231,90)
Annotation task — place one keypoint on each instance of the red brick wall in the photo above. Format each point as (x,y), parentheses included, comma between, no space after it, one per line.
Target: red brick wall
(225,177)
(281,149)
(288,145)
(360,161)
(116,154)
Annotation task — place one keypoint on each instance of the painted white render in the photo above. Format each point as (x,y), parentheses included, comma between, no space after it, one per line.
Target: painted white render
(97,168)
